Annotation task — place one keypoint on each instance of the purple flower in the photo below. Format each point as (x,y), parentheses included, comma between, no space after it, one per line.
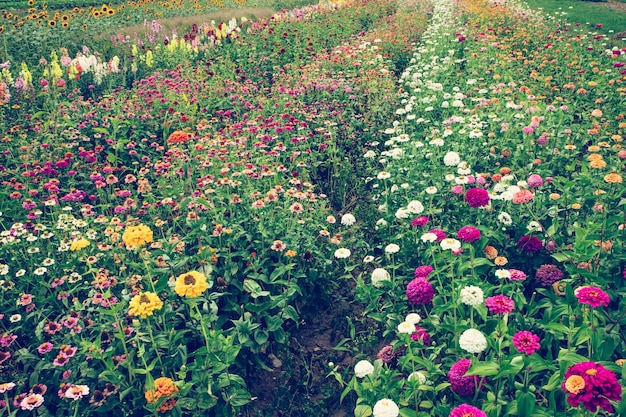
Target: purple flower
(420,334)
(461,384)
(535,181)
(420,291)
(477,197)
(419,221)
(548,274)
(529,244)
(423,271)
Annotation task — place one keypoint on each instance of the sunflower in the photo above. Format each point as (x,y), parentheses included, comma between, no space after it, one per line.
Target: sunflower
(65,18)
(96,13)
(31,2)
(190,284)
(52,23)
(65,25)
(1,29)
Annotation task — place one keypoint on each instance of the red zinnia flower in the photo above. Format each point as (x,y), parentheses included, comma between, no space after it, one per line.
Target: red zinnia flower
(466,410)
(420,291)
(592,385)
(468,234)
(500,304)
(530,244)
(526,342)
(477,197)
(592,296)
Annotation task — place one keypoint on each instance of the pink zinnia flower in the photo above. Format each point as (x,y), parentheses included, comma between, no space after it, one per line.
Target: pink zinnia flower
(420,334)
(45,347)
(535,181)
(526,342)
(516,275)
(592,385)
(420,291)
(522,197)
(529,244)
(468,234)
(76,392)
(477,197)
(441,235)
(423,271)
(592,296)
(419,221)
(31,401)
(500,304)
(466,410)
(461,384)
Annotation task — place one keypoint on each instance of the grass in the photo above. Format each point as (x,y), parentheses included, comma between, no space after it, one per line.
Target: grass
(588,14)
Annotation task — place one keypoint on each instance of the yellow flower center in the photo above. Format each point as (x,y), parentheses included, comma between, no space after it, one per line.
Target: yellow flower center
(575,383)
(591,372)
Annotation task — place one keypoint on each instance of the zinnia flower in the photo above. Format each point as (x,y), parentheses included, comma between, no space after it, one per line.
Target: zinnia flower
(529,244)
(79,244)
(466,410)
(385,408)
(363,368)
(535,181)
(190,284)
(592,385)
(516,275)
(178,136)
(379,275)
(348,219)
(419,221)
(31,401)
(468,234)
(592,296)
(163,387)
(144,304)
(526,342)
(472,296)
(548,274)
(500,304)
(342,253)
(389,356)
(440,234)
(420,334)
(423,271)
(420,291)
(477,197)
(461,384)
(523,196)
(135,236)
(473,341)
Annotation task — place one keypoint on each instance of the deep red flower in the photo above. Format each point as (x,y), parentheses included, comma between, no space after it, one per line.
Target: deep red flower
(529,244)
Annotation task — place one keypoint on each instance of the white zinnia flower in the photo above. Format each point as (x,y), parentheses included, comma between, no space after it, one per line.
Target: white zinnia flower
(363,368)
(473,341)
(451,159)
(415,207)
(386,408)
(348,219)
(368,259)
(342,253)
(450,243)
(412,318)
(378,276)
(417,376)
(503,273)
(402,213)
(505,218)
(533,226)
(406,327)
(472,295)
(428,237)
(383,175)
(431,190)
(392,248)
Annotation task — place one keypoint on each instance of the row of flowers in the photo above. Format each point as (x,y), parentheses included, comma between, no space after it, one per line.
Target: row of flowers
(500,186)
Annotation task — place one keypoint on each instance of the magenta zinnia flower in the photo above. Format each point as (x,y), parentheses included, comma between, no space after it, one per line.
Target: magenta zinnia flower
(420,291)
(419,221)
(548,274)
(466,410)
(461,384)
(535,181)
(592,385)
(592,296)
(420,334)
(526,342)
(389,356)
(529,244)
(500,304)
(441,235)
(477,197)
(423,271)
(468,234)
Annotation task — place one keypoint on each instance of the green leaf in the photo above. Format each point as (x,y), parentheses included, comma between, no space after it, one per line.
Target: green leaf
(483,369)
(407,412)
(362,410)
(254,288)
(290,312)
(525,403)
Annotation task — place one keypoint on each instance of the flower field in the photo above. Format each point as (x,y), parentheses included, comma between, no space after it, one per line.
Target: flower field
(175,205)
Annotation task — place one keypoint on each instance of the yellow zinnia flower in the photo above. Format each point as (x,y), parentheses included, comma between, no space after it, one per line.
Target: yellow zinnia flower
(613,178)
(190,284)
(79,244)
(137,235)
(163,387)
(144,304)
